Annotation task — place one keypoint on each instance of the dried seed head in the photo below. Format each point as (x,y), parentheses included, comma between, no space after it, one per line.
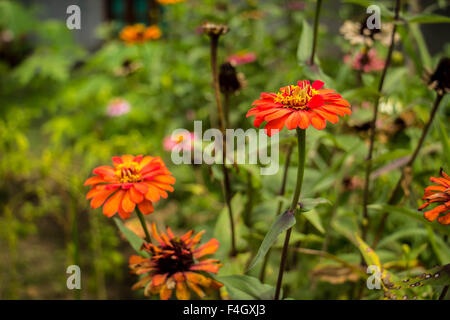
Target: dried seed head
(213,29)
(228,78)
(439,80)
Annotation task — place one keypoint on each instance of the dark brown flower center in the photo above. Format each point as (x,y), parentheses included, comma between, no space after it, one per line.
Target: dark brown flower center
(180,260)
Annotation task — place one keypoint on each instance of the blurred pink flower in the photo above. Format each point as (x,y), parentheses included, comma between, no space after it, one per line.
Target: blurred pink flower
(365,62)
(242,57)
(118,107)
(184,141)
(295,5)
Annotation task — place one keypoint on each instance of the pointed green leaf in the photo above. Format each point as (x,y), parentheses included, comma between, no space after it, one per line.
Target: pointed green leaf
(428,18)
(305,44)
(282,223)
(435,277)
(132,238)
(242,287)
(308,204)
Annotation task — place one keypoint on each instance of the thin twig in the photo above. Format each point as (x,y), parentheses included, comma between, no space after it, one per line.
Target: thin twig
(220,115)
(373,127)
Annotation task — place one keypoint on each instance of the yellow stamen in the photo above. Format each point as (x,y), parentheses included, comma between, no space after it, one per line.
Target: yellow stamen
(295,97)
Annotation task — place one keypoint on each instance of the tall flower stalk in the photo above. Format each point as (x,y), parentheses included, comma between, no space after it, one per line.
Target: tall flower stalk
(301,135)
(214,32)
(365,223)
(280,205)
(316,29)
(297,107)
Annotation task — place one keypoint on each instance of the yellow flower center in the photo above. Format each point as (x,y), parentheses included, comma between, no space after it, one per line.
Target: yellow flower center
(128,172)
(179,139)
(295,97)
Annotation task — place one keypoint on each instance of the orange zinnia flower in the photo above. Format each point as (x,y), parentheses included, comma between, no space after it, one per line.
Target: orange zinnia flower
(138,33)
(298,106)
(440,194)
(132,181)
(174,264)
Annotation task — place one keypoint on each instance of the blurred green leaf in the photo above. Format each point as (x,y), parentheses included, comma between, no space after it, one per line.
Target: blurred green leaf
(427,18)
(132,238)
(305,44)
(242,287)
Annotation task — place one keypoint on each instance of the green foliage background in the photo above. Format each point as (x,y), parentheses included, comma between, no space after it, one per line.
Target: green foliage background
(54,130)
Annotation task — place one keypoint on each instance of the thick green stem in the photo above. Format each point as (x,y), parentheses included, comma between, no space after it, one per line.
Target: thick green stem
(316,28)
(301,134)
(144,225)
(280,205)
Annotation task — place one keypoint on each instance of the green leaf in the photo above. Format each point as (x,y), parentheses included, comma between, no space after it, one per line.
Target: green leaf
(242,287)
(428,18)
(308,204)
(435,277)
(314,218)
(305,44)
(282,223)
(132,238)
(416,215)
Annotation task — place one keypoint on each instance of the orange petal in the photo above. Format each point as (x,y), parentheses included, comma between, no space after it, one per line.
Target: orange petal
(112,205)
(292,120)
(208,248)
(135,195)
(98,200)
(159,279)
(445,220)
(94,180)
(146,207)
(434,213)
(182,291)
(127,204)
(303,120)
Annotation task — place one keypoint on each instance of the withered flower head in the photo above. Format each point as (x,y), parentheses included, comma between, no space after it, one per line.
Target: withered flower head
(176,263)
(213,29)
(228,78)
(440,79)
(439,194)
(359,33)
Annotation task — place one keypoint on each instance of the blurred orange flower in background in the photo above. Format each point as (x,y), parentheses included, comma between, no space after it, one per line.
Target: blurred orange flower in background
(139,33)
(132,181)
(174,264)
(165,2)
(439,194)
(299,106)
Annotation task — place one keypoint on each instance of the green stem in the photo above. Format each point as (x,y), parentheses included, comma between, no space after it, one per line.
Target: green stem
(280,205)
(443,293)
(220,115)
(301,134)
(144,225)
(316,28)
